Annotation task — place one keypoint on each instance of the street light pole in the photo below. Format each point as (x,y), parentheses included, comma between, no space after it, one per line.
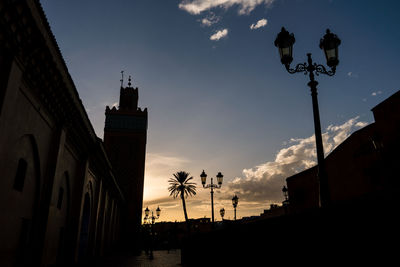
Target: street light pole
(203,177)
(329,43)
(235,201)
(212,199)
(323,178)
(285,203)
(150,220)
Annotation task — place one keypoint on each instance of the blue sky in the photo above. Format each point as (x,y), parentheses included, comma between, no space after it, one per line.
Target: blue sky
(228,104)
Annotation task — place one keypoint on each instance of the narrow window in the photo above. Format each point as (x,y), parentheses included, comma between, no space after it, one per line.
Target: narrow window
(20,175)
(60,198)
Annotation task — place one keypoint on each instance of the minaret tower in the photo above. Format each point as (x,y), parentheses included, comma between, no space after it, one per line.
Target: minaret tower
(125,135)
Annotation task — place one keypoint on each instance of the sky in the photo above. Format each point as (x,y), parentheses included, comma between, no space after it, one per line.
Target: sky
(217,95)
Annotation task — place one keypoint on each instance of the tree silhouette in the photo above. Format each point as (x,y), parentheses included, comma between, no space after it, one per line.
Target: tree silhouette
(180,186)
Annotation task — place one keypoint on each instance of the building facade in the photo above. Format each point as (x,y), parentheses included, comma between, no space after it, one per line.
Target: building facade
(365,165)
(60,195)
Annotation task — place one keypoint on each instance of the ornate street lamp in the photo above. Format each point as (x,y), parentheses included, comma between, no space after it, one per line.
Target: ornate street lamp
(203,177)
(329,43)
(284,41)
(222,213)
(220,177)
(235,201)
(285,193)
(285,203)
(158,212)
(151,219)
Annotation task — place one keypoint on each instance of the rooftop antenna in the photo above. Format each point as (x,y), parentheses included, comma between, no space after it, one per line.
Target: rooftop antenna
(122,78)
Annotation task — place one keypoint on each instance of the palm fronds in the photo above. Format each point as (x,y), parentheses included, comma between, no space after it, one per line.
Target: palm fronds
(181,184)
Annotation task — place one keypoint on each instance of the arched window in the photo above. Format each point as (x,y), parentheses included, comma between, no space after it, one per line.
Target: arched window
(20,175)
(23,221)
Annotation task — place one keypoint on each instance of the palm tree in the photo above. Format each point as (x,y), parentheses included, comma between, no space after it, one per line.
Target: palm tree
(180,186)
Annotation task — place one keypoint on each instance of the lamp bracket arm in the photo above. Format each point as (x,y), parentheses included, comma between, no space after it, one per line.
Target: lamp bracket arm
(320,69)
(301,67)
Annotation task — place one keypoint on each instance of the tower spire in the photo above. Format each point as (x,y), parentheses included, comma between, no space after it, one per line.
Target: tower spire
(122,78)
(128,98)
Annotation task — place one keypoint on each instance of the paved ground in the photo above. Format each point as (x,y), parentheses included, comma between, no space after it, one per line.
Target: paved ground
(161,258)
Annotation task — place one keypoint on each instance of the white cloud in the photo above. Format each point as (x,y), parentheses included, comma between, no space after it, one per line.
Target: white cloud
(207,22)
(259,24)
(352,75)
(219,34)
(196,7)
(111,105)
(210,20)
(155,160)
(264,182)
(376,93)
(361,124)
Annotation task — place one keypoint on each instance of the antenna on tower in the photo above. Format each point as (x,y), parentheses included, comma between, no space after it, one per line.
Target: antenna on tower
(122,78)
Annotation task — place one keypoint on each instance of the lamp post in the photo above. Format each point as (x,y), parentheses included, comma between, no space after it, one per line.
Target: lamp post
(235,201)
(222,213)
(220,177)
(329,43)
(285,194)
(150,220)
(285,203)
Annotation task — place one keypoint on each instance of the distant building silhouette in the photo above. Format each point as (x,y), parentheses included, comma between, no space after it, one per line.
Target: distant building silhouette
(364,165)
(65,195)
(274,211)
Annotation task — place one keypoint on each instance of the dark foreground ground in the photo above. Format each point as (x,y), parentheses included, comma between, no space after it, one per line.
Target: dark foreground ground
(161,258)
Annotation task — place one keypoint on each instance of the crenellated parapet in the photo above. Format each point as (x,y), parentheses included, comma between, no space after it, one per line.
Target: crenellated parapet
(127,116)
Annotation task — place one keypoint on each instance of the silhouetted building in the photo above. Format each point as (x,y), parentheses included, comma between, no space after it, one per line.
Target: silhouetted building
(60,197)
(364,165)
(274,211)
(125,134)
